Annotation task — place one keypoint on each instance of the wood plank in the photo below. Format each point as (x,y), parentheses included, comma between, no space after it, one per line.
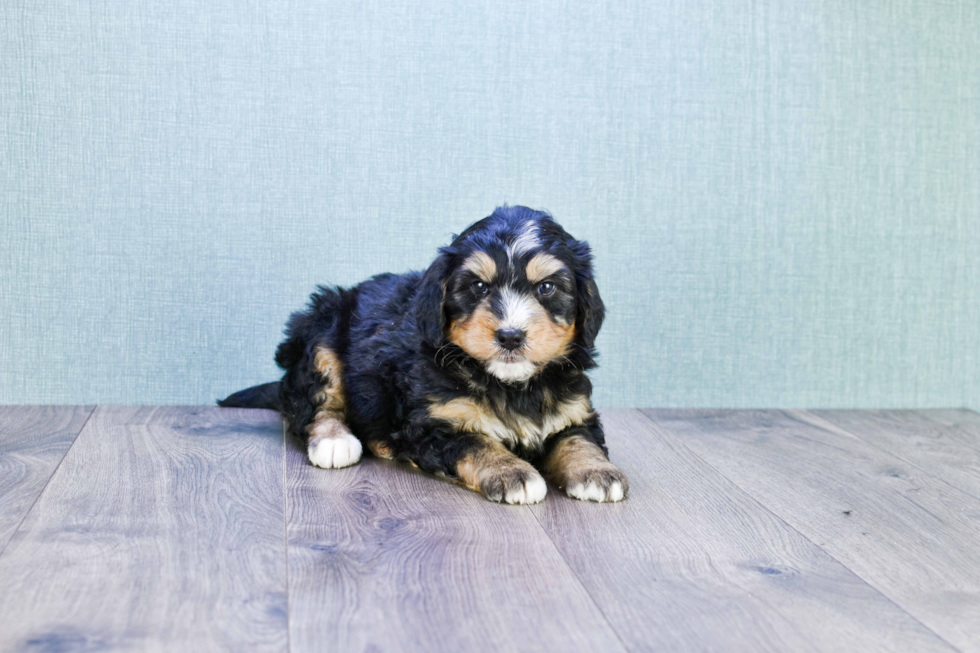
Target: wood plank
(162,530)
(952,415)
(384,558)
(913,538)
(962,424)
(690,562)
(947,452)
(33,440)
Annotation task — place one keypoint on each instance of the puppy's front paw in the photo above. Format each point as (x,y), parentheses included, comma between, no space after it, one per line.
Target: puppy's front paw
(514,484)
(333,446)
(581,467)
(601,483)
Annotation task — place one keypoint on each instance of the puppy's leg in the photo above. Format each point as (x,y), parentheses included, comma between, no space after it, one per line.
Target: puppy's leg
(330,443)
(486,466)
(381,449)
(578,465)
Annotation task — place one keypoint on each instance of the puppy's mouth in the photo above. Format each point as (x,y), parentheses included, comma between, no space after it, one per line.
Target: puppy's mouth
(510,357)
(511,366)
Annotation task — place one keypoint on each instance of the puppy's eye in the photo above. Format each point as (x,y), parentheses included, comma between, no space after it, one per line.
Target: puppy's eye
(480,288)
(546,288)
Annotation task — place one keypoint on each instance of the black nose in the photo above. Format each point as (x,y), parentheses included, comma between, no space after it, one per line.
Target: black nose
(510,339)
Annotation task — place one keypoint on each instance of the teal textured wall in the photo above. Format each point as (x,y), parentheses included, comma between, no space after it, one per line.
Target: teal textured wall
(783,197)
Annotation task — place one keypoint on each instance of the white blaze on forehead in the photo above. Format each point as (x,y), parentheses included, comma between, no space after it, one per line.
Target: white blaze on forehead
(518,310)
(525,241)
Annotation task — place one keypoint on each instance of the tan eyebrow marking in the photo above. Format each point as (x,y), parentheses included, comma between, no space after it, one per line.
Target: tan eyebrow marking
(542,266)
(480,264)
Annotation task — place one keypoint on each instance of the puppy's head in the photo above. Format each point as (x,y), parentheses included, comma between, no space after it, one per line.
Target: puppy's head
(514,291)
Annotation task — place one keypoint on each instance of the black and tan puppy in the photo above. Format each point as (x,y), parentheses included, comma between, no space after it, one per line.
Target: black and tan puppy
(474,369)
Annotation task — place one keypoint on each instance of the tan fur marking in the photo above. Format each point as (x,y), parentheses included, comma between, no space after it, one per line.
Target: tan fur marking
(542,266)
(546,339)
(330,400)
(574,456)
(467,414)
(325,361)
(571,412)
(381,449)
(547,399)
(491,459)
(480,264)
(578,466)
(476,334)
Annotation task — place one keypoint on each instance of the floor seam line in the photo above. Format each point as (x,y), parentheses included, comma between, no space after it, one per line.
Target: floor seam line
(680,441)
(579,580)
(48,482)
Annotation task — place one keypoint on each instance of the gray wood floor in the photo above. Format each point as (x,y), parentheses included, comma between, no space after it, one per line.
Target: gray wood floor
(198,529)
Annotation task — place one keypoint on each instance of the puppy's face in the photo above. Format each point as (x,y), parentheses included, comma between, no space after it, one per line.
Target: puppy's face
(515,313)
(519,295)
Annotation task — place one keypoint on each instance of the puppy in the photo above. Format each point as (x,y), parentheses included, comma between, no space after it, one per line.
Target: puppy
(473,370)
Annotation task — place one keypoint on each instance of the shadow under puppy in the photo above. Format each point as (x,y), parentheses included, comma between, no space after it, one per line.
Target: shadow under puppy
(473,370)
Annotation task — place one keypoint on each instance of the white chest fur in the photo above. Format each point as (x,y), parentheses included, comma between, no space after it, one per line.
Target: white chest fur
(475,416)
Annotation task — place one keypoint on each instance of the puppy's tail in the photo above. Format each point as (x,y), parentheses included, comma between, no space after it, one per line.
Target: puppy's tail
(260,396)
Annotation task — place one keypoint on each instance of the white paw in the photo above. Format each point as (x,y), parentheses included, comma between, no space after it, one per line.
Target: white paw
(342,450)
(533,490)
(593,491)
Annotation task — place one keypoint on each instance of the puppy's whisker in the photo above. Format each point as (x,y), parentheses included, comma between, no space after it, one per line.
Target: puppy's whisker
(445,351)
(563,360)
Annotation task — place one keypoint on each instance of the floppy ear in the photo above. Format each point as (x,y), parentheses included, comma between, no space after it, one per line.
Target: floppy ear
(590,309)
(430,318)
